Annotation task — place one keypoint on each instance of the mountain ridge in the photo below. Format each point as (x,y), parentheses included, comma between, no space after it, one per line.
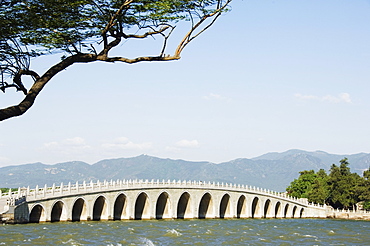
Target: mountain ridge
(272,170)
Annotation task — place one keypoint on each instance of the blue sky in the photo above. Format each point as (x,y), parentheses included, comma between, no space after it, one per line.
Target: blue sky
(267,77)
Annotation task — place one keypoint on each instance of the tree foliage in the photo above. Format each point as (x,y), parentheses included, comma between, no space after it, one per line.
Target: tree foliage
(84,31)
(301,186)
(339,189)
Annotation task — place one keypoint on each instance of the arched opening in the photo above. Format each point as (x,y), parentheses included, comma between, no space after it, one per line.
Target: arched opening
(37,214)
(286,210)
(142,207)
(120,207)
(57,212)
(267,209)
(277,209)
(205,207)
(225,207)
(100,211)
(256,208)
(79,211)
(241,210)
(183,207)
(162,210)
(294,211)
(301,213)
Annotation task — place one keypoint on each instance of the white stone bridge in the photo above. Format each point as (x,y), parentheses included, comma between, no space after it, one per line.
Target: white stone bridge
(139,199)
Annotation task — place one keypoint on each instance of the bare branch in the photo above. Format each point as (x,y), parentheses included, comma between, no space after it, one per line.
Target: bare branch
(138,59)
(189,36)
(114,17)
(18,81)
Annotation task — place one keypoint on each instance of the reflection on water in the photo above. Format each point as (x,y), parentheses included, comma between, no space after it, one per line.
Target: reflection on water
(191,232)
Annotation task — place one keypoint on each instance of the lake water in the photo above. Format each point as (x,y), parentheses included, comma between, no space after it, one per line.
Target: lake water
(191,232)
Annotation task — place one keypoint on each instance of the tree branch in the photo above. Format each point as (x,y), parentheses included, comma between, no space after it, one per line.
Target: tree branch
(39,84)
(189,36)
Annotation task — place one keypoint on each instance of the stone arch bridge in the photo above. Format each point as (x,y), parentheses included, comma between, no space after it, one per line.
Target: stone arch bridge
(139,199)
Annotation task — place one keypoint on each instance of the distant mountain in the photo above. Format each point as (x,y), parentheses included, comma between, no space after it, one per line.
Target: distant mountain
(272,171)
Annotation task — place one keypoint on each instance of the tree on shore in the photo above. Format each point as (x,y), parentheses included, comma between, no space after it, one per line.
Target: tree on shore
(86,31)
(320,188)
(343,186)
(339,189)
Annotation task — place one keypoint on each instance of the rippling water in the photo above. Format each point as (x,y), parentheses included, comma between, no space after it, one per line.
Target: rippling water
(191,232)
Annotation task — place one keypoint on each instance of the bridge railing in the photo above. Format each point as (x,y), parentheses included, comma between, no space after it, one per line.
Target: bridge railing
(88,187)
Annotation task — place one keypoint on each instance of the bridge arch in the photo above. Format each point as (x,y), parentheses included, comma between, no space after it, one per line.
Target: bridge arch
(100,208)
(277,210)
(37,214)
(294,210)
(241,209)
(163,206)
(184,209)
(206,207)
(225,211)
(286,208)
(120,207)
(256,208)
(267,209)
(301,213)
(79,210)
(58,211)
(142,206)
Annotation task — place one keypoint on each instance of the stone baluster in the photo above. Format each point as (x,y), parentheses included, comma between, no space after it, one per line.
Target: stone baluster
(92,185)
(69,187)
(61,188)
(53,189)
(77,187)
(84,185)
(44,191)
